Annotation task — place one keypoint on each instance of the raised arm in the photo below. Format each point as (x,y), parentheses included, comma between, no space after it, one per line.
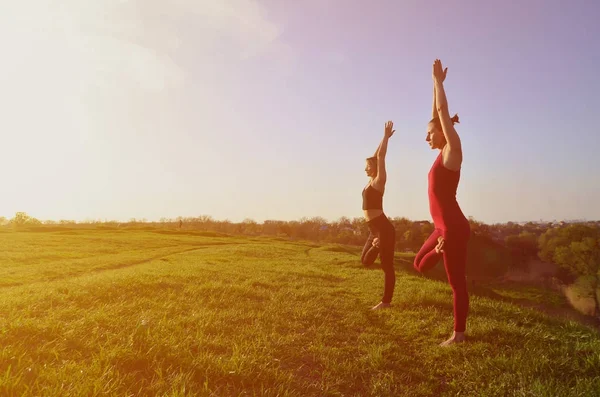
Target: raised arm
(434,112)
(377,151)
(454,154)
(433,107)
(380,179)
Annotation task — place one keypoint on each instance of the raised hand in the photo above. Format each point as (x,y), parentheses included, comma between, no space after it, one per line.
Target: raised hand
(439,74)
(388,129)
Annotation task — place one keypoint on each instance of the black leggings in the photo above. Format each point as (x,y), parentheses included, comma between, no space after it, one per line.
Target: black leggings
(381,227)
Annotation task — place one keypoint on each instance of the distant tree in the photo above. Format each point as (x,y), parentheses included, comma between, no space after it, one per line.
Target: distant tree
(249,226)
(295,230)
(407,235)
(315,228)
(401,225)
(523,248)
(3,221)
(225,226)
(532,228)
(479,228)
(344,222)
(285,229)
(320,227)
(20,219)
(344,236)
(426,229)
(361,230)
(513,228)
(206,222)
(269,227)
(582,257)
(412,239)
(305,229)
(555,238)
(486,258)
(338,231)
(576,249)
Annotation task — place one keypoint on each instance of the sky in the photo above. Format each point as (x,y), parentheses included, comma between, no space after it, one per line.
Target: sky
(267,109)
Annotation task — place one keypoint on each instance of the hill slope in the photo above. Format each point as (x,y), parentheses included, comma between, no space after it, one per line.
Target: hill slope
(145,313)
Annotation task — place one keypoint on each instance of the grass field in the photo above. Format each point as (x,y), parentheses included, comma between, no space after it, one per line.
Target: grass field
(127,313)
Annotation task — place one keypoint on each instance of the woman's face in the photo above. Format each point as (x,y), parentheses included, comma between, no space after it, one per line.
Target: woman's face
(435,136)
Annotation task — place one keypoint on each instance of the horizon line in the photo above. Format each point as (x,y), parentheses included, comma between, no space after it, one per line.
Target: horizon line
(246,219)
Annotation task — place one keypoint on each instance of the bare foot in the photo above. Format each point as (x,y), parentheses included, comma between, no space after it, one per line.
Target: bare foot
(376,242)
(439,248)
(457,337)
(381,305)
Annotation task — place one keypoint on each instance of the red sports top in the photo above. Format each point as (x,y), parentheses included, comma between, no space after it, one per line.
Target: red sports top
(444,208)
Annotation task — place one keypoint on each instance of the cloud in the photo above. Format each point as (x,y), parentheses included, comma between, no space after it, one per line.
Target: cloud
(135,41)
(232,31)
(243,21)
(96,93)
(80,76)
(110,64)
(101,42)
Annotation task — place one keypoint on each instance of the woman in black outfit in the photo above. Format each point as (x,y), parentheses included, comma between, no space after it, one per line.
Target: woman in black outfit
(382,237)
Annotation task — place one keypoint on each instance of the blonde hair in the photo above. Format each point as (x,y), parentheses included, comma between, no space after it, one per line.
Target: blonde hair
(373,161)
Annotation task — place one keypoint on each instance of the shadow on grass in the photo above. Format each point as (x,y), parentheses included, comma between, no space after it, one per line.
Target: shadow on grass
(553,313)
(399,264)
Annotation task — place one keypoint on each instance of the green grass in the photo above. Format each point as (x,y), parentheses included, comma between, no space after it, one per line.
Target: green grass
(171,314)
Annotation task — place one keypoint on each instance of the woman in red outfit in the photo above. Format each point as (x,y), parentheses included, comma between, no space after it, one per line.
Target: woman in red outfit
(451,235)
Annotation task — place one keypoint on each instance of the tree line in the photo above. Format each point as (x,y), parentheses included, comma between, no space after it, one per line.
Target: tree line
(574,247)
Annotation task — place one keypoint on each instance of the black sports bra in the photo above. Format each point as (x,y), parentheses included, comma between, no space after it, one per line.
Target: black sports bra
(372,199)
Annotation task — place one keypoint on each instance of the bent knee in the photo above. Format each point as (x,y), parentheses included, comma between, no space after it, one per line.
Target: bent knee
(417,264)
(367,261)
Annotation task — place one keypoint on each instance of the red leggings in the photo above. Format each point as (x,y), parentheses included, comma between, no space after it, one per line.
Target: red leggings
(455,262)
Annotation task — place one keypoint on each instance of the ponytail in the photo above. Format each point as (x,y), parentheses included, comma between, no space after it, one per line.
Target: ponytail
(438,123)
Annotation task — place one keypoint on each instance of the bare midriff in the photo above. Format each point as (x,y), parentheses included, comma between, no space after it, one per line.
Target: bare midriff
(372,214)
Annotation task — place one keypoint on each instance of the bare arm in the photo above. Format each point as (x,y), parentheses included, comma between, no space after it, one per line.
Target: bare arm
(434,112)
(380,179)
(453,157)
(433,107)
(450,133)
(391,133)
(377,151)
